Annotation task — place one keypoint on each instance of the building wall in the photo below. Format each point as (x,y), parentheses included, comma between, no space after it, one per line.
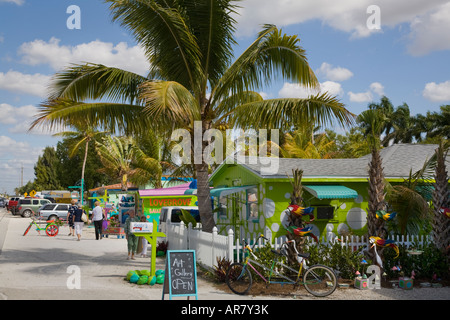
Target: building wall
(350,215)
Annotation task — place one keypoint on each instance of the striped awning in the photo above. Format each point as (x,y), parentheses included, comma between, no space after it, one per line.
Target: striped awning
(331,192)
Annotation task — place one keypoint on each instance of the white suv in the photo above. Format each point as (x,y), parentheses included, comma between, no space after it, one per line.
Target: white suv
(54,210)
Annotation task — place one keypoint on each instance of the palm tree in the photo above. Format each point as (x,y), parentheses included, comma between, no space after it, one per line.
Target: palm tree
(441,224)
(305,143)
(124,161)
(372,122)
(83,134)
(193,76)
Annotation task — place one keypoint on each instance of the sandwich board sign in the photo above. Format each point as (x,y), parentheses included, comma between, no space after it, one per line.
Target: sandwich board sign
(180,278)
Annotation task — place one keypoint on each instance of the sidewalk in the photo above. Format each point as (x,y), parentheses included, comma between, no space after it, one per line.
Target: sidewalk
(38,267)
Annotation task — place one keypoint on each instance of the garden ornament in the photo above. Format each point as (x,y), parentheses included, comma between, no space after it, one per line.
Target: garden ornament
(302,232)
(301,211)
(386,216)
(445,212)
(377,241)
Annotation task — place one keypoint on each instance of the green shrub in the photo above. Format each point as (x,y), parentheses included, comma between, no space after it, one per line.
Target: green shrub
(431,261)
(340,258)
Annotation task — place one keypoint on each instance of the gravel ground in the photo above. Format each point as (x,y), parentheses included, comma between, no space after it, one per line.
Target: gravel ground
(37,267)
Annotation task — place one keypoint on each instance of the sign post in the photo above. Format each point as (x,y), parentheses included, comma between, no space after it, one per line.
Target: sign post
(181,274)
(143,229)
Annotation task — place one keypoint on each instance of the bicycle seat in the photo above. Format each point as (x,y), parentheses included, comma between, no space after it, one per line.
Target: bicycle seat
(304,255)
(276,252)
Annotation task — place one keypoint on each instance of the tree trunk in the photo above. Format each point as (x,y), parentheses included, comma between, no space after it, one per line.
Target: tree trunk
(296,220)
(441,224)
(376,196)
(204,197)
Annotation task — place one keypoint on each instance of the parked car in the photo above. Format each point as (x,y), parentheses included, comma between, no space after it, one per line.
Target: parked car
(13,203)
(2,202)
(54,210)
(171,215)
(29,206)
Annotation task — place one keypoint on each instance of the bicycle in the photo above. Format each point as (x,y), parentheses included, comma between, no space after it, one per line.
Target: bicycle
(318,280)
(51,228)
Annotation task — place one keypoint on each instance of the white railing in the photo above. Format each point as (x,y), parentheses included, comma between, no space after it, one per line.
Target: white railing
(211,246)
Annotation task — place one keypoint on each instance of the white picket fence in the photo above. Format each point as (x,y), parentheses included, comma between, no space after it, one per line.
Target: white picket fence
(211,246)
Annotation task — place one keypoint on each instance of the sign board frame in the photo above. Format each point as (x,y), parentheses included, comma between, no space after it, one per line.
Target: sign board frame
(167,287)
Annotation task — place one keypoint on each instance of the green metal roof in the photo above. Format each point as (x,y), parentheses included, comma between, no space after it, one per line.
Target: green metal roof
(331,192)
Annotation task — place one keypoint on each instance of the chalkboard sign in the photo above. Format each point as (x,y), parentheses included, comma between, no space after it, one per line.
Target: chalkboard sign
(181,274)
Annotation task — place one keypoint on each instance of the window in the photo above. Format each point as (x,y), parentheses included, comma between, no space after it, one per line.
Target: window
(222,206)
(49,207)
(44,202)
(35,202)
(25,201)
(163,216)
(62,207)
(252,204)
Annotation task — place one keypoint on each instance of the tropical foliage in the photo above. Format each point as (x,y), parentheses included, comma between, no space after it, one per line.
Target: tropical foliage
(193,76)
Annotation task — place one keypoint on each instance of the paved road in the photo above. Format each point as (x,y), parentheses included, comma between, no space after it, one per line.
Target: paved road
(38,267)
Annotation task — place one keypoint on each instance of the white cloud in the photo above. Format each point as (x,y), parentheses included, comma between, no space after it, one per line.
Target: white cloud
(13,115)
(58,56)
(360,97)
(437,92)
(334,74)
(292,90)
(377,87)
(18,2)
(349,16)
(33,84)
(367,96)
(430,32)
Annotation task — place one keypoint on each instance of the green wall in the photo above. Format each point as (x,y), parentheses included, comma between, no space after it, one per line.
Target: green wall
(350,215)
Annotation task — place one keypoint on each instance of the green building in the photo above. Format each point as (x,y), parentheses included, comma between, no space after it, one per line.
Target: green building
(252,199)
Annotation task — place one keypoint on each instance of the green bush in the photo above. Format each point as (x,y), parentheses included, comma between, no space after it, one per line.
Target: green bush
(431,261)
(340,258)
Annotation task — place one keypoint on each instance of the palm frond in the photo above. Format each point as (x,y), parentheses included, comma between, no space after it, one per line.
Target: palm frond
(321,109)
(91,81)
(161,29)
(272,54)
(112,117)
(168,102)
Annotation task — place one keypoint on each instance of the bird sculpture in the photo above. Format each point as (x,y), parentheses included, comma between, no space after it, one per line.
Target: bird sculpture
(445,212)
(302,232)
(386,216)
(377,241)
(301,211)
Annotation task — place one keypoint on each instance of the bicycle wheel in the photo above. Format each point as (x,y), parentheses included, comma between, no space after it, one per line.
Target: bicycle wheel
(28,229)
(52,230)
(320,281)
(239,278)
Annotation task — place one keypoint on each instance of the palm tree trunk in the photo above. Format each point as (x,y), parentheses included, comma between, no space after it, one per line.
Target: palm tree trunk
(441,224)
(296,220)
(376,200)
(84,161)
(204,197)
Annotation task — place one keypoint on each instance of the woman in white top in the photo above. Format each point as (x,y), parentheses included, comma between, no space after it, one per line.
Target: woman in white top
(97,218)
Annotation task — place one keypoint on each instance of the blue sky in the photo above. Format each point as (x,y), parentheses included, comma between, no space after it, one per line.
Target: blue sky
(407,59)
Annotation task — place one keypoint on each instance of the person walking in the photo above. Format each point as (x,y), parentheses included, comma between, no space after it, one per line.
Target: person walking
(98,215)
(144,241)
(70,214)
(78,222)
(132,240)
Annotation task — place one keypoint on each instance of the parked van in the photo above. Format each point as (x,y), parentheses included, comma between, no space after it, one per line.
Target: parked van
(170,215)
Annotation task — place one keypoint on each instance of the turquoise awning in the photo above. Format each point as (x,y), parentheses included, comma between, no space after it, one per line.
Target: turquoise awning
(222,192)
(331,192)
